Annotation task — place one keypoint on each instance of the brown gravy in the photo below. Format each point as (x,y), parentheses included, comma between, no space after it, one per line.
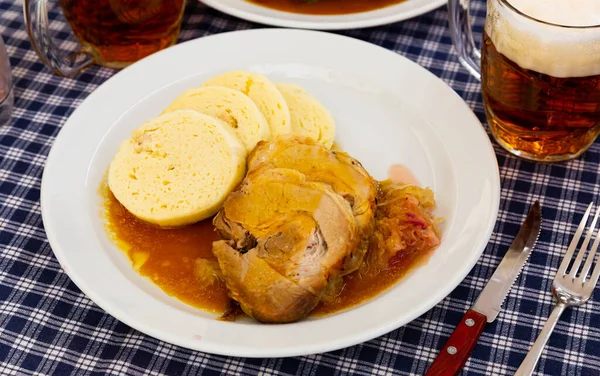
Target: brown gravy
(359,288)
(325,7)
(171,254)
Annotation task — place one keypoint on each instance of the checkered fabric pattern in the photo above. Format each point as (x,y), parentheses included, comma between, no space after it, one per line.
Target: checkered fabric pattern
(49,327)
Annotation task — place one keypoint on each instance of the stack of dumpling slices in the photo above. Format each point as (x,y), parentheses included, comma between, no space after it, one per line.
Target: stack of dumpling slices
(178,168)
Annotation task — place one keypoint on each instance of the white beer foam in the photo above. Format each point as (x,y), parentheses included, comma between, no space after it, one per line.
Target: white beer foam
(553,50)
(561,12)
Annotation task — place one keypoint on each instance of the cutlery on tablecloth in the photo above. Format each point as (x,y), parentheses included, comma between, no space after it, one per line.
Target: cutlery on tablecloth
(570,289)
(458,348)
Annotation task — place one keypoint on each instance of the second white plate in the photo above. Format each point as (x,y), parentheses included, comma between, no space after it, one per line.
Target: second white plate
(255,13)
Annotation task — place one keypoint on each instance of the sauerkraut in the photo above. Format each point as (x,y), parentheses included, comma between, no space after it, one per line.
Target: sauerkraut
(404,224)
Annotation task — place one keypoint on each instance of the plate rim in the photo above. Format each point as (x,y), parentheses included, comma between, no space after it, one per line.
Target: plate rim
(332,345)
(334,22)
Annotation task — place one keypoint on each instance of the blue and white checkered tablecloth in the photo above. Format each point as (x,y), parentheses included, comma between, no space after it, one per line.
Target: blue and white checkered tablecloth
(49,327)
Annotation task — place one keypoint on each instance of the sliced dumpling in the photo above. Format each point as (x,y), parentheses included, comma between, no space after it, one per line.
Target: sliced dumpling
(309,117)
(263,92)
(178,168)
(232,106)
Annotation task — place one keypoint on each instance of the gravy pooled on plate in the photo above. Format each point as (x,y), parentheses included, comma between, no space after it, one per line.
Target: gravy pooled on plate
(172,258)
(325,7)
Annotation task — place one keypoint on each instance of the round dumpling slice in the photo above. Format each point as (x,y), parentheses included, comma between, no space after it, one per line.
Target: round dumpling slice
(177,169)
(232,106)
(263,92)
(309,117)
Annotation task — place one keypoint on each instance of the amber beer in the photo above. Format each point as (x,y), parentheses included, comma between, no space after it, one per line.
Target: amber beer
(541,107)
(119,32)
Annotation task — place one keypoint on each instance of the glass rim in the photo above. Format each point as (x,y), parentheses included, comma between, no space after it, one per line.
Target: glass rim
(573,27)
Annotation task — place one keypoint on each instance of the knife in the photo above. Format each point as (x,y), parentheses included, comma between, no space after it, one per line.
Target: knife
(459,346)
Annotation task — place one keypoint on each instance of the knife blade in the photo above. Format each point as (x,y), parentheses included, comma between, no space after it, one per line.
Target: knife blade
(458,348)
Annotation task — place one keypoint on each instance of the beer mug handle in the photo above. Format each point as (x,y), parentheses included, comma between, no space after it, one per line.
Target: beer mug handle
(38,28)
(459,21)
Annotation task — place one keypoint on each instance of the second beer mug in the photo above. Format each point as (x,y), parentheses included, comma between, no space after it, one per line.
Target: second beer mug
(540,73)
(112,33)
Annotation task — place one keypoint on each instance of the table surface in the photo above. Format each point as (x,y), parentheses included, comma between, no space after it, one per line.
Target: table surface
(48,326)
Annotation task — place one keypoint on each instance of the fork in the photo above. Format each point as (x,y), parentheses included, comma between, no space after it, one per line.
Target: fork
(569,289)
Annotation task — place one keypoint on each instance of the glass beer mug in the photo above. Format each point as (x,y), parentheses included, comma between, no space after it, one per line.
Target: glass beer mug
(6,89)
(112,33)
(539,68)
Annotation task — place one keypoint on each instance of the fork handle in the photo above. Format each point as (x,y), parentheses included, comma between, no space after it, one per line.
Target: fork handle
(530,361)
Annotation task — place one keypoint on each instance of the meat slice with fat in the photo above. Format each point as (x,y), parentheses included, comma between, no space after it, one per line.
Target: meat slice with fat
(343,173)
(285,239)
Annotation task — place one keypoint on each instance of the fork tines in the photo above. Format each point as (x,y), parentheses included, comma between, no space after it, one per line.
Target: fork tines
(575,268)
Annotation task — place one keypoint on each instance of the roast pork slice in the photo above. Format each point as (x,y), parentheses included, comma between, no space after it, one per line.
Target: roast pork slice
(302,231)
(343,173)
(261,292)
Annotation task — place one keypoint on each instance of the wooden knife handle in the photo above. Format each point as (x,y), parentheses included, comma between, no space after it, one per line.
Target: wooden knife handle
(457,350)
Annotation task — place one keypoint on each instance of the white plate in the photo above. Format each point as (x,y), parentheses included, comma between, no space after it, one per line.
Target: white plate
(388,110)
(252,12)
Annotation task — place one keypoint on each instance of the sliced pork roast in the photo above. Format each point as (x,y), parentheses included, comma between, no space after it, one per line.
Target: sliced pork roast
(343,173)
(286,237)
